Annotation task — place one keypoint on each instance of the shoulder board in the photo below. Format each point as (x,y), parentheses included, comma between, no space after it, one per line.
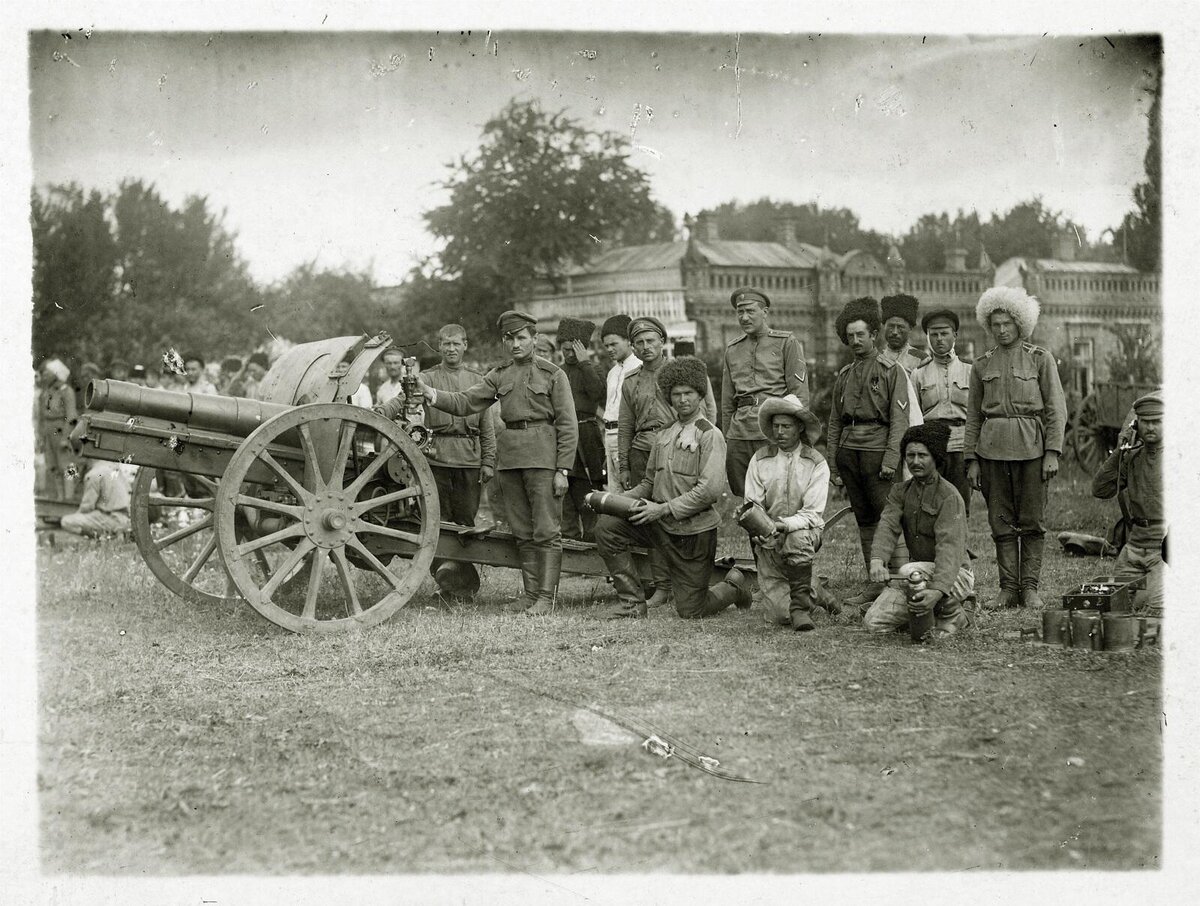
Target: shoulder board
(507,363)
(983,356)
(812,453)
(545,364)
(1033,349)
(925,361)
(765,452)
(885,363)
(735,342)
(781,334)
(845,368)
(704,425)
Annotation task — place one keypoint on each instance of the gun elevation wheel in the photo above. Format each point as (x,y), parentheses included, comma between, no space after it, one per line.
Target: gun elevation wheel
(360,518)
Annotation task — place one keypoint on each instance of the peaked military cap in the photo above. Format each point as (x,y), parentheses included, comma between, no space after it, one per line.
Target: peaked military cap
(748,294)
(943,314)
(638,325)
(515,320)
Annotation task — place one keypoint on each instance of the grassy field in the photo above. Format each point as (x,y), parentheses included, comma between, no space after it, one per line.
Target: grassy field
(181,740)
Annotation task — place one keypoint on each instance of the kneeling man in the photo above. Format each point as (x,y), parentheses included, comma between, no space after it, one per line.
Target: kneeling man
(790,480)
(930,513)
(104,507)
(684,477)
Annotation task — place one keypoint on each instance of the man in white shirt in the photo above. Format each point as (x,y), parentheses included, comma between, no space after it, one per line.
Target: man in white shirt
(616,342)
(197,380)
(393,364)
(789,479)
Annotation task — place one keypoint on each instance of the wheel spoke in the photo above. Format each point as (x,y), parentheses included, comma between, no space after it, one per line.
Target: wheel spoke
(194,503)
(391,577)
(386,531)
(206,483)
(310,454)
(289,479)
(273,506)
(185,532)
(360,507)
(201,559)
(285,569)
(370,471)
(290,531)
(343,569)
(345,444)
(314,585)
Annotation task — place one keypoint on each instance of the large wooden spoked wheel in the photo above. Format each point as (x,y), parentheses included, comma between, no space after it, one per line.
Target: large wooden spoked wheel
(366,494)
(176,537)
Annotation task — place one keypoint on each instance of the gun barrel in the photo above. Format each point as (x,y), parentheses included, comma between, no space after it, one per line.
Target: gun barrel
(227,414)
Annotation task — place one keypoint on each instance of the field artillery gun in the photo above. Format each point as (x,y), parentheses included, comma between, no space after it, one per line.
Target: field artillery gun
(323,516)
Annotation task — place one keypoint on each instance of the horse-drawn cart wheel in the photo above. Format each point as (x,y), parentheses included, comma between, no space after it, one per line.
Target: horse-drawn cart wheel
(341,521)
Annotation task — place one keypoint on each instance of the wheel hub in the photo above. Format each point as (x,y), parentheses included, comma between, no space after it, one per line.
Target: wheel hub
(327,520)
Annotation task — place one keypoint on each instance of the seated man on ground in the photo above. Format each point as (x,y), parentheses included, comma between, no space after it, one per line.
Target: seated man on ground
(930,514)
(684,477)
(1133,474)
(790,480)
(104,509)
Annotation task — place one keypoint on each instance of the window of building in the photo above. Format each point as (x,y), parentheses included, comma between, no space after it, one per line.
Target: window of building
(1083,365)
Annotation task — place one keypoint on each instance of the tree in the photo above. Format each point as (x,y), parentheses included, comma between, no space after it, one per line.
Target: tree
(1137,358)
(760,221)
(1140,234)
(536,198)
(311,304)
(74,269)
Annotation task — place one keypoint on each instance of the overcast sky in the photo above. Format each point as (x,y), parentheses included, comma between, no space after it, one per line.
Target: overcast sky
(330,146)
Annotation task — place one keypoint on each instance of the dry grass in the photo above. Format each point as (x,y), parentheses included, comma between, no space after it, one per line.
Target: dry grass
(179,740)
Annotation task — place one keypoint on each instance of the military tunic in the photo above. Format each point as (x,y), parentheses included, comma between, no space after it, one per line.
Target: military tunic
(645,410)
(539,438)
(932,521)
(1136,477)
(56,418)
(587,473)
(756,367)
(1016,412)
(868,416)
(942,388)
(686,471)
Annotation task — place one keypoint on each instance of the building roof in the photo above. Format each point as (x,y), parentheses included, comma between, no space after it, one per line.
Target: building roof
(729,253)
(1078,267)
(653,257)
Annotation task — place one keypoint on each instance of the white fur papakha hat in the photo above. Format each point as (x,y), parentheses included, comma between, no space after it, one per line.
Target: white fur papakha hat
(1013,300)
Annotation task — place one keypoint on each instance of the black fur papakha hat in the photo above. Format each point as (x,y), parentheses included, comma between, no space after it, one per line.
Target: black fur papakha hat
(934,435)
(688,371)
(900,305)
(617,324)
(864,308)
(571,329)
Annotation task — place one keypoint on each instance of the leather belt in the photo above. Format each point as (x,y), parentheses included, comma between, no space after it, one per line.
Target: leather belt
(745,399)
(524,423)
(851,421)
(611,426)
(1143,522)
(952,422)
(452,434)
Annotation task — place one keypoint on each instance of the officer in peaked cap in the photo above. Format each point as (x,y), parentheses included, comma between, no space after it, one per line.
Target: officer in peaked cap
(760,364)
(535,452)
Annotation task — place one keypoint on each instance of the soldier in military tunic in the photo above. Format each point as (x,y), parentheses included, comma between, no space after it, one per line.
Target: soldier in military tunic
(645,411)
(760,364)
(463,458)
(587,390)
(1016,418)
(868,417)
(899,316)
(943,382)
(684,477)
(535,451)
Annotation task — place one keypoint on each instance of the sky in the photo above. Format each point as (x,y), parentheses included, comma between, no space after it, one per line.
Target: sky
(329,147)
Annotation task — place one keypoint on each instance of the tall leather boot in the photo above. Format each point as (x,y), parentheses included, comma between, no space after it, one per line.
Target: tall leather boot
(631,602)
(661,578)
(733,589)
(866,534)
(1031,570)
(800,608)
(549,567)
(950,616)
(1007,564)
(529,579)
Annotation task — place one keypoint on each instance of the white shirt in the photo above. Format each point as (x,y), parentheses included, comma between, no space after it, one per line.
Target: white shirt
(361,397)
(615,378)
(386,391)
